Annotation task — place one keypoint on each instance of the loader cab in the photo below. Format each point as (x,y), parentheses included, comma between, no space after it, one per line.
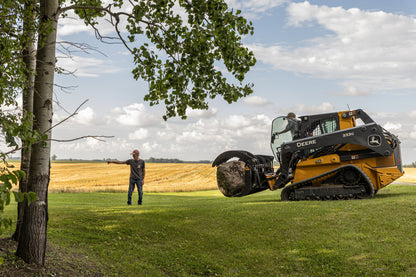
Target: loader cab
(313,125)
(278,125)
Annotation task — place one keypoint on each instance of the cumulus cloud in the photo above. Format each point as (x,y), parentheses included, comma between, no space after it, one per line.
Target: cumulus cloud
(391,126)
(210,137)
(149,147)
(139,134)
(86,67)
(412,114)
(370,48)
(85,116)
(71,24)
(256,101)
(304,109)
(134,114)
(353,91)
(202,113)
(253,9)
(237,121)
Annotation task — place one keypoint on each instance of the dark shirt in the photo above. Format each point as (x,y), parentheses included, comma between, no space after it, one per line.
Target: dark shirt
(136,168)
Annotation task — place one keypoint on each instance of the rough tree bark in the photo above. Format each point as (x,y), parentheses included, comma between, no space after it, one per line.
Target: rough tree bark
(32,240)
(29,58)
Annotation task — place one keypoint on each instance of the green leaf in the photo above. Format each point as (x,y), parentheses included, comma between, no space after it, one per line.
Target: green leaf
(18,196)
(5,197)
(13,178)
(20,174)
(31,197)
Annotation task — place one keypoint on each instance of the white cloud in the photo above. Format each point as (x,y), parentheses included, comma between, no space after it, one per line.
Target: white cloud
(93,143)
(256,101)
(413,133)
(236,121)
(304,109)
(72,24)
(253,9)
(149,147)
(209,137)
(202,113)
(140,134)
(370,48)
(134,115)
(85,116)
(390,126)
(86,67)
(412,114)
(353,91)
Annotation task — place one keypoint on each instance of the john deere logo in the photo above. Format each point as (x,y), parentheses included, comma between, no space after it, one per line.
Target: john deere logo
(374,140)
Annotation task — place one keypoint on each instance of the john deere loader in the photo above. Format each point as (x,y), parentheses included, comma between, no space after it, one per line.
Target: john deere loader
(344,155)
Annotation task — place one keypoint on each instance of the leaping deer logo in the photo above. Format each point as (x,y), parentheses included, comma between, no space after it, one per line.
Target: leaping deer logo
(374,140)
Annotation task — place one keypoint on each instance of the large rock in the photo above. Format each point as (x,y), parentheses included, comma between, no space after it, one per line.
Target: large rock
(230,178)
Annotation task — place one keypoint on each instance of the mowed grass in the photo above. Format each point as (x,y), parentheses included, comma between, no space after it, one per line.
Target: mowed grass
(202,233)
(206,234)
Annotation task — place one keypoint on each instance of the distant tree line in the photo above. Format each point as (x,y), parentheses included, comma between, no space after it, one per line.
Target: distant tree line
(163,160)
(150,160)
(413,164)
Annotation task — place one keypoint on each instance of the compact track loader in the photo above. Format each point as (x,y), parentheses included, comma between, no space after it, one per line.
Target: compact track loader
(344,155)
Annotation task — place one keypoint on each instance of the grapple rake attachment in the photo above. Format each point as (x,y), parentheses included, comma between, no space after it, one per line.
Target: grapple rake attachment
(241,173)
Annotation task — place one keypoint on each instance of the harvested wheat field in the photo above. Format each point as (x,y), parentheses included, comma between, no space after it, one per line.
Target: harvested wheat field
(409,176)
(160,177)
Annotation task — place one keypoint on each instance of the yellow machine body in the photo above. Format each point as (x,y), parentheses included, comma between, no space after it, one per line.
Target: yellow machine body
(343,155)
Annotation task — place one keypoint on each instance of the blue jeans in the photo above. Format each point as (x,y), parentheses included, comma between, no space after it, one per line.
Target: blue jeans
(132,184)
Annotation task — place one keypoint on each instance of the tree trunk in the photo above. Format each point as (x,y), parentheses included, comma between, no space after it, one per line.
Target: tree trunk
(29,58)
(32,240)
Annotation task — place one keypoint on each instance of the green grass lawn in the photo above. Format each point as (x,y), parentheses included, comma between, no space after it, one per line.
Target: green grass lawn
(206,234)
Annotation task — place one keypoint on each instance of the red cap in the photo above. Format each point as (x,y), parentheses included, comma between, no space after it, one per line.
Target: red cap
(135,151)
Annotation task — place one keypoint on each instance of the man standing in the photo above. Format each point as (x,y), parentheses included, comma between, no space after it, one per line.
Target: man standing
(137,174)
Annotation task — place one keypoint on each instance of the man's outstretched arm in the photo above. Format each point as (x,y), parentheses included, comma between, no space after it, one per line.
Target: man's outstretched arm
(116,162)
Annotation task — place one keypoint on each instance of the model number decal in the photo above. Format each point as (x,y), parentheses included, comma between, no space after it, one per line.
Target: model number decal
(306,143)
(350,134)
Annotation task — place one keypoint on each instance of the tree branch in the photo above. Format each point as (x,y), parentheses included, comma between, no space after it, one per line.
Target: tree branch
(83,137)
(68,117)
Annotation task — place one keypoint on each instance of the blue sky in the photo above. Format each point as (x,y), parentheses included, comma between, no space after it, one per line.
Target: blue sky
(312,57)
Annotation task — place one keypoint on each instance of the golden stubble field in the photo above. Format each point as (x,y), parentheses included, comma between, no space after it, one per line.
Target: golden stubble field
(160,177)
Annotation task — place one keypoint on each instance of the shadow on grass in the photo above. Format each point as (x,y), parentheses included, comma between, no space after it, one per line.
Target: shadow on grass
(259,201)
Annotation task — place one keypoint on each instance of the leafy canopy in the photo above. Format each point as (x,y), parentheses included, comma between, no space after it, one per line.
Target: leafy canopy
(179,48)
